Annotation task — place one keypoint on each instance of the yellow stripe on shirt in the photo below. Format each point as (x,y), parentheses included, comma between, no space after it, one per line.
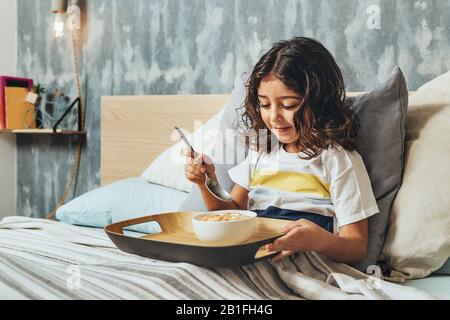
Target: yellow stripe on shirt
(291,182)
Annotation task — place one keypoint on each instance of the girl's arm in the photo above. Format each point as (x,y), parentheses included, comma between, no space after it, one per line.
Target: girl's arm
(238,193)
(350,246)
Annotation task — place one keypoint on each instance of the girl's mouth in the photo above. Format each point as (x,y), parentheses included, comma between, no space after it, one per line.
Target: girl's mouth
(282,129)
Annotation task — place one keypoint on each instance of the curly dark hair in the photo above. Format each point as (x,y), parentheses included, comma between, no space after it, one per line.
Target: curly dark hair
(306,67)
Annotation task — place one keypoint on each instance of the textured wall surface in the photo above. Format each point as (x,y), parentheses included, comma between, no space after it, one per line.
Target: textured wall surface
(199,46)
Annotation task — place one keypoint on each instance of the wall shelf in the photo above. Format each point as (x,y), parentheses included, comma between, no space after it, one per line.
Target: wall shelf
(54,129)
(42,131)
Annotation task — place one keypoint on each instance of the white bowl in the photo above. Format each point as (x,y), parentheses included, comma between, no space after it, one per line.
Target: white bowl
(225,232)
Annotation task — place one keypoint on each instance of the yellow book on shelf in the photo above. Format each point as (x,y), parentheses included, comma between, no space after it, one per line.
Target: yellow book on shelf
(20,114)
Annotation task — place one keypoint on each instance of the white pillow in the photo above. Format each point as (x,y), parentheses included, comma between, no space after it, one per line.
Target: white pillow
(168,168)
(418,238)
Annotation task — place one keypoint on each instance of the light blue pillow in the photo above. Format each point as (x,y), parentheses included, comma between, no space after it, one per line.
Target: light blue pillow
(122,200)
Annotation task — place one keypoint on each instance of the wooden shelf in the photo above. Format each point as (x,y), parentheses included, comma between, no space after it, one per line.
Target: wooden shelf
(42,131)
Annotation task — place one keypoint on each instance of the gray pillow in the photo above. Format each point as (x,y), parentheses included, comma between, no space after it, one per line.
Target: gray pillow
(445,269)
(381,138)
(381,114)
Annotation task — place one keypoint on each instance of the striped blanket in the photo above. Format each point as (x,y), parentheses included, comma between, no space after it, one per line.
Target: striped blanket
(43,259)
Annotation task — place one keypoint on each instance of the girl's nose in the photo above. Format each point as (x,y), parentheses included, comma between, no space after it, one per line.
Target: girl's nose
(274,113)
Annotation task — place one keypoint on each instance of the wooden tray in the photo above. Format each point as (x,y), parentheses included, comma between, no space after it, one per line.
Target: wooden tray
(178,243)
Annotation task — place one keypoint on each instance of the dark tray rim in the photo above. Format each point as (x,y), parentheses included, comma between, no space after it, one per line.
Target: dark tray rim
(207,256)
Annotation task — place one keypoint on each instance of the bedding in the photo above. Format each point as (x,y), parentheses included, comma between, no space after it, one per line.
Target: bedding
(122,200)
(437,285)
(44,259)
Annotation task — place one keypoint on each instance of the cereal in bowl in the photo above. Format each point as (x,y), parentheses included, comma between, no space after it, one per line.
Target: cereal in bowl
(228,216)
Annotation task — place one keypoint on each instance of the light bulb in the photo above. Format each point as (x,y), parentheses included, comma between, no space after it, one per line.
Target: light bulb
(59,25)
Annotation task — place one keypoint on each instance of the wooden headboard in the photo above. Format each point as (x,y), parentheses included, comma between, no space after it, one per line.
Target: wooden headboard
(136,129)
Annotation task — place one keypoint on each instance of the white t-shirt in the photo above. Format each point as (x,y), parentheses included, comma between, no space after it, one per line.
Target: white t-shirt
(334,184)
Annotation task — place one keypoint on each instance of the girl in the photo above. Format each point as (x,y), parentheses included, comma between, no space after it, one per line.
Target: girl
(313,175)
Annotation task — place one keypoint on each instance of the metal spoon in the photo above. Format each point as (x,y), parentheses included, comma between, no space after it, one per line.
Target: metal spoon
(211,184)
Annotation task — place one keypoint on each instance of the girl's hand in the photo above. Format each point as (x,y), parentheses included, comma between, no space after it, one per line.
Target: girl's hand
(300,235)
(194,169)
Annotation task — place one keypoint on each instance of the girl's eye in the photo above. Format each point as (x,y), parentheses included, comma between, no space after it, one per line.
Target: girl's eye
(289,107)
(264,106)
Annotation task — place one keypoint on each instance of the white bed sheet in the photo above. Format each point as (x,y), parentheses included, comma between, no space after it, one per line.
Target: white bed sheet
(437,285)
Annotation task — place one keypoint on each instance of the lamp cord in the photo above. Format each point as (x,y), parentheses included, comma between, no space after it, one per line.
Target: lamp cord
(75,166)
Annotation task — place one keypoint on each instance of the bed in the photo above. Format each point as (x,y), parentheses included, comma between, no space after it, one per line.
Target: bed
(44,259)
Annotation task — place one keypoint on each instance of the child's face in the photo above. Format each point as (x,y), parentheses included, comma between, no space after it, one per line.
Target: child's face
(278,106)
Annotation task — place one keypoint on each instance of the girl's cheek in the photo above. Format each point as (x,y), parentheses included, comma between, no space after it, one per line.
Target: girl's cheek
(264,117)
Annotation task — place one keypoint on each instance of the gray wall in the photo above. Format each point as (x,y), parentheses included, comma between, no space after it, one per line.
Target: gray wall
(193,46)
